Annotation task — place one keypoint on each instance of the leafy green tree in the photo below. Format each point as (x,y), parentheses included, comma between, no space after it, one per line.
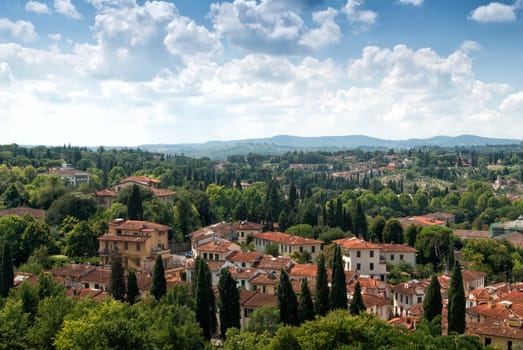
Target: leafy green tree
(12,197)
(432,304)
(186,217)
(284,339)
(356,304)
(132,287)
(456,303)
(159,285)
(77,205)
(6,271)
(229,302)
(272,249)
(46,287)
(305,304)
(287,301)
(376,229)
(338,291)
(433,244)
(359,221)
(321,298)
(134,204)
(117,282)
(265,319)
(410,235)
(14,323)
(80,241)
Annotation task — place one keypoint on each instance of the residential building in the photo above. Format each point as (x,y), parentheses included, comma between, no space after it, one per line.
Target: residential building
(206,234)
(252,300)
(405,295)
(37,214)
(218,249)
(396,253)
(247,229)
(362,257)
(70,175)
(288,244)
(137,242)
(420,221)
(377,305)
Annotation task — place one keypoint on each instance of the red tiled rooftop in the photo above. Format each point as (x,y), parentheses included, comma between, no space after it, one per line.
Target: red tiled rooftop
(21,211)
(266,278)
(286,238)
(356,243)
(139,179)
(251,226)
(471,234)
(137,225)
(394,247)
(216,246)
(420,221)
(106,193)
(374,300)
(303,270)
(123,238)
(270,262)
(259,299)
(250,257)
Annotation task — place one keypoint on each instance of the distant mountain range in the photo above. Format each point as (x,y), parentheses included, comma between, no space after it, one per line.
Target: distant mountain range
(285,143)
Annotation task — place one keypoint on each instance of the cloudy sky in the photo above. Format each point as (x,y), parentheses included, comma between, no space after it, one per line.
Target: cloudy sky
(131,72)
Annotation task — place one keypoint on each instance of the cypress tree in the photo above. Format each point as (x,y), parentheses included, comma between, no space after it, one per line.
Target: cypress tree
(338,292)
(456,303)
(117,282)
(134,204)
(159,286)
(132,287)
(6,271)
(359,221)
(321,298)
(229,302)
(205,301)
(356,304)
(432,304)
(305,305)
(287,301)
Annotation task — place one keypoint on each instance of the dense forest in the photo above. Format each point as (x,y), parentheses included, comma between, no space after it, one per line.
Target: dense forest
(324,195)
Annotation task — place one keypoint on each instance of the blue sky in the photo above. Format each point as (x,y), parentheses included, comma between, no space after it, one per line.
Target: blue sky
(131,72)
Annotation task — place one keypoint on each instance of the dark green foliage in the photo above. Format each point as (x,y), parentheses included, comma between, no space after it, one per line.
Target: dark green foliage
(205,303)
(432,304)
(271,249)
(359,221)
(229,303)
(117,282)
(132,287)
(456,303)
(305,304)
(6,271)
(134,204)
(410,235)
(159,286)
(393,231)
(321,298)
(77,205)
(338,292)
(356,304)
(376,229)
(287,301)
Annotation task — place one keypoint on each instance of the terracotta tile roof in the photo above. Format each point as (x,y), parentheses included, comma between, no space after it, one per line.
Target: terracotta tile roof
(216,246)
(374,300)
(220,229)
(420,221)
(269,262)
(356,243)
(471,234)
(259,299)
(483,294)
(469,275)
(251,226)
(242,273)
(74,271)
(495,328)
(21,211)
(82,293)
(246,295)
(20,277)
(249,257)
(161,192)
(122,238)
(139,179)
(106,193)
(416,310)
(400,248)
(296,285)
(286,238)
(408,322)
(411,287)
(493,310)
(139,225)
(267,278)
(303,270)
(98,275)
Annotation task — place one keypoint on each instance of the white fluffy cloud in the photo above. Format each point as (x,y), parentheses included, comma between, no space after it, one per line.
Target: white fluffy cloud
(411,2)
(6,77)
(358,16)
(21,30)
(187,39)
(37,7)
(494,12)
(66,8)
(328,33)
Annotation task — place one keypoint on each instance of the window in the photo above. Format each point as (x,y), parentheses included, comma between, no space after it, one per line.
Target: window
(401,298)
(358,254)
(420,299)
(401,256)
(301,249)
(358,266)
(406,299)
(488,341)
(371,266)
(372,253)
(137,246)
(205,256)
(313,249)
(392,257)
(126,245)
(254,287)
(509,345)
(264,289)
(216,256)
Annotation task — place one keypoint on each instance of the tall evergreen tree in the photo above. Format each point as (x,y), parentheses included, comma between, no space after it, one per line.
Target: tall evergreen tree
(287,301)
(338,292)
(132,287)
(321,298)
(359,221)
(305,305)
(6,271)
(134,204)
(432,305)
(159,286)
(293,196)
(205,302)
(456,303)
(229,302)
(117,282)
(356,304)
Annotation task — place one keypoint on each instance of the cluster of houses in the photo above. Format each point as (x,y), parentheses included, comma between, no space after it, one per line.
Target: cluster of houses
(494,313)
